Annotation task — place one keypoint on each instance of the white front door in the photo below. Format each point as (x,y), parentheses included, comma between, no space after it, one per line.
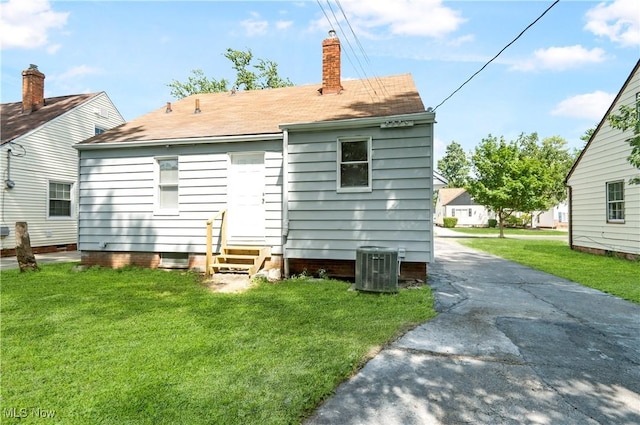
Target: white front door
(245,191)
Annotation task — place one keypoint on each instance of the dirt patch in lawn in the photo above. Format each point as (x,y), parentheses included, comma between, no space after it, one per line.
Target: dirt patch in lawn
(228,283)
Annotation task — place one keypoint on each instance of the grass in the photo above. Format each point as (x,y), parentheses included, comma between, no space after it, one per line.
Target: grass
(612,275)
(508,231)
(137,346)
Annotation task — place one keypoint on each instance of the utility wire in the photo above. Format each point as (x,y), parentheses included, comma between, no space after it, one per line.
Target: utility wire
(364,53)
(335,18)
(347,54)
(498,54)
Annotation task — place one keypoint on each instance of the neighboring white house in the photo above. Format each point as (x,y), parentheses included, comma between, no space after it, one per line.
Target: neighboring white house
(39,164)
(309,173)
(555,218)
(456,202)
(438,181)
(604,209)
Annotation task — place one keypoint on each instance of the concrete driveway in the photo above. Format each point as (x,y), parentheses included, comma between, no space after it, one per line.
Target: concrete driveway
(510,346)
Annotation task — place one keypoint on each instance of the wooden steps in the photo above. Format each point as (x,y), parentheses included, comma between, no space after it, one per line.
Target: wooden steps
(240,259)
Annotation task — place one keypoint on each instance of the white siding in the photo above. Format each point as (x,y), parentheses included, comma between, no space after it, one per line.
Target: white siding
(117,188)
(605,160)
(325,224)
(49,155)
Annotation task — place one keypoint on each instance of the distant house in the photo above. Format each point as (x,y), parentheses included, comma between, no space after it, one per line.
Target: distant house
(456,202)
(439,181)
(554,218)
(39,164)
(604,209)
(302,175)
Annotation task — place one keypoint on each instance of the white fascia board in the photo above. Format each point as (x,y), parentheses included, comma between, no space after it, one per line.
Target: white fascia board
(418,118)
(180,142)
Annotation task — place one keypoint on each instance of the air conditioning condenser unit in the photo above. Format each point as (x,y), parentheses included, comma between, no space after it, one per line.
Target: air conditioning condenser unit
(377,269)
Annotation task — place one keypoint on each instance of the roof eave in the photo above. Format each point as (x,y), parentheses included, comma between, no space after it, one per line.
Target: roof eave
(413,118)
(179,141)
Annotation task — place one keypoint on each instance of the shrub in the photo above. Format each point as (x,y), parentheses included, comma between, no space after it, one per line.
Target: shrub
(493,223)
(450,222)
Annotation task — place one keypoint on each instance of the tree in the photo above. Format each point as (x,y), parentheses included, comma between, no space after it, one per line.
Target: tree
(454,165)
(556,160)
(265,76)
(587,135)
(509,176)
(629,118)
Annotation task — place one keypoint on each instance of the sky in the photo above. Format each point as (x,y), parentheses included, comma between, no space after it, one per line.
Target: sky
(556,79)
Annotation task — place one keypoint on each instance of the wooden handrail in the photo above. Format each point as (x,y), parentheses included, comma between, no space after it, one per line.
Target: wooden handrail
(223,238)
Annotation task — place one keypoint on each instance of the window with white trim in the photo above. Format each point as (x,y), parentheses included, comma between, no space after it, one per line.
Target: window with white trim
(167,177)
(60,199)
(615,202)
(98,130)
(354,164)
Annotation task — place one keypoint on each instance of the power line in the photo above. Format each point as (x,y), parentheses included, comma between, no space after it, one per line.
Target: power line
(364,53)
(498,54)
(346,52)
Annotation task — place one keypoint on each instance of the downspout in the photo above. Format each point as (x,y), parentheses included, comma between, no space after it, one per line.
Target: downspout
(570,217)
(285,200)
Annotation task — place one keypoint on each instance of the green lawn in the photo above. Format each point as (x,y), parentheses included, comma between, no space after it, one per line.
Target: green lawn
(509,231)
(608,274)
(153,347)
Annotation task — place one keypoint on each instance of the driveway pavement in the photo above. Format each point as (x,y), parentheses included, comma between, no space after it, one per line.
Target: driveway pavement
(7,263)
(510,346)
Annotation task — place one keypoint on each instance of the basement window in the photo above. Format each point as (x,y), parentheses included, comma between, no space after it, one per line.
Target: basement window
(354,165)
(174,260)
(615,202)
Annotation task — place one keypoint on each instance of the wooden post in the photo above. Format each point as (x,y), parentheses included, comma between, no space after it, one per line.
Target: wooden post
(207,266)
(26,259)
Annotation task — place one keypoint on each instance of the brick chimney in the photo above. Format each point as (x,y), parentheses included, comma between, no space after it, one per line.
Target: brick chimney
(32,89)
(331,64)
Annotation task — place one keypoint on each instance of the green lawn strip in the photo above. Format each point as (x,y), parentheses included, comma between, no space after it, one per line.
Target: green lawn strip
(154,347)
(612,275)
(509,231)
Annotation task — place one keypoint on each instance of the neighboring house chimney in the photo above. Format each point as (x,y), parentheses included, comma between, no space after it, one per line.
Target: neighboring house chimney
(331,65)
(32,89)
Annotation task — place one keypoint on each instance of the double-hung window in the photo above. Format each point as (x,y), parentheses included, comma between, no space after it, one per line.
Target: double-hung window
(354,164)
(615,202)
(167,177)
(60,198)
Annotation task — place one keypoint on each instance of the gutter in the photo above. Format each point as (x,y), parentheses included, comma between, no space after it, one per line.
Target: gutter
(416,118)
(178,142)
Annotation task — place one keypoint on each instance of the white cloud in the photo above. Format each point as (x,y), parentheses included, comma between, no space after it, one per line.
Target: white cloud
(428,18)
(255,26)
(75,73)
(283,25)
(560,58)
(590,106)
(619,21)
(26,24)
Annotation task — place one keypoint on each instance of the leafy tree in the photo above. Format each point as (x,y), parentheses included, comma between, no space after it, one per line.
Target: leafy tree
(587,135)
(265,75)
(556,160)
(628,118)
(509,176)
(454,165)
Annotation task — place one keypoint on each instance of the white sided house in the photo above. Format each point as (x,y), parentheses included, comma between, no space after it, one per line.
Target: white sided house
(604,208)
(294,177)
(456,202)
(39,164)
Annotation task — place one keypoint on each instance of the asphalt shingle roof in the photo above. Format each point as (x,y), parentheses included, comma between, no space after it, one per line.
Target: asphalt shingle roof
(16,124)
(262,111)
